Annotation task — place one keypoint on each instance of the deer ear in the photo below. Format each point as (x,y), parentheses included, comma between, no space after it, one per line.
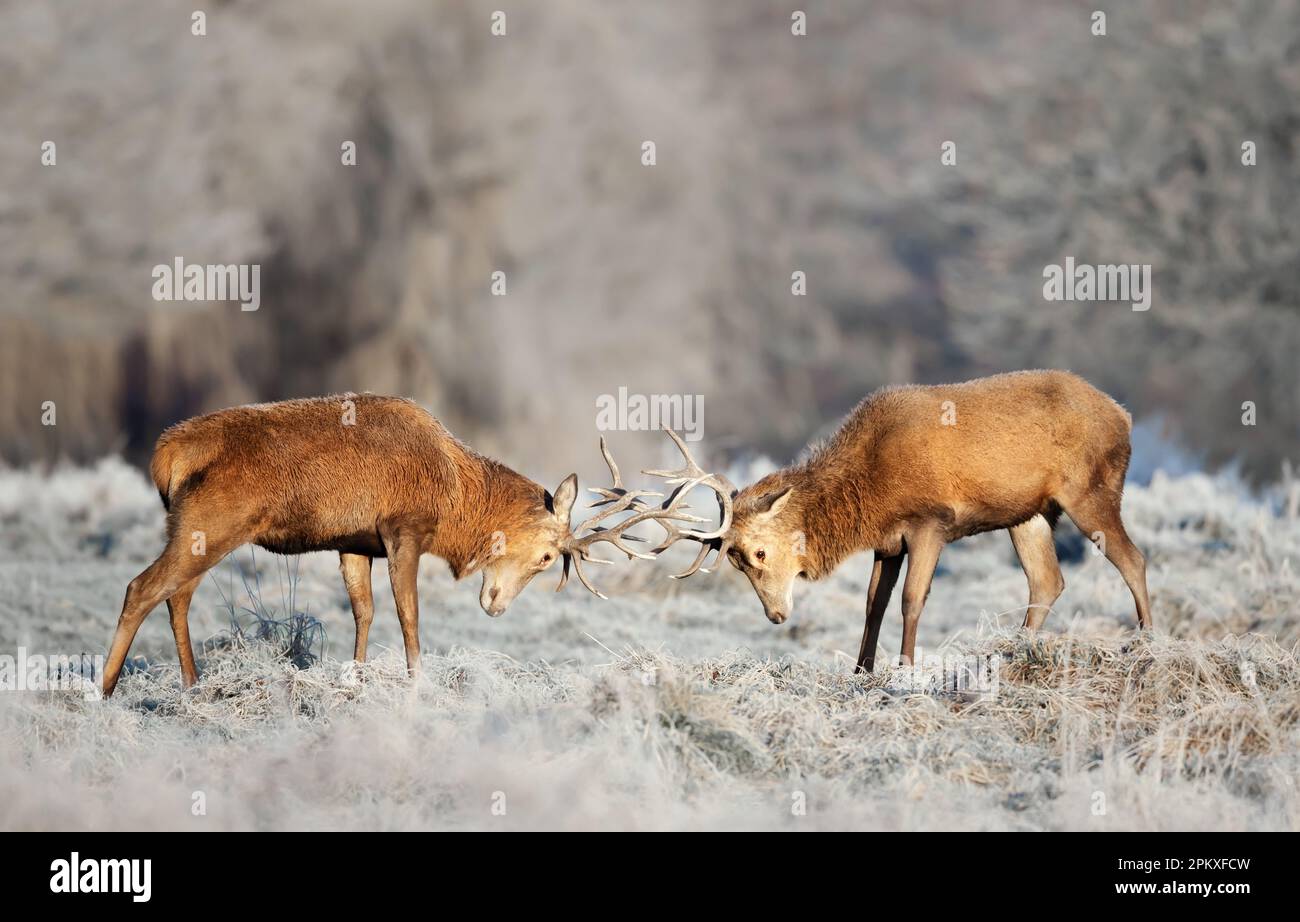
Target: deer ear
(565,495)
(769,506)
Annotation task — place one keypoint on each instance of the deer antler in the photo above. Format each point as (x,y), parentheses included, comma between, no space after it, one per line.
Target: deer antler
(617,499)
(688,477)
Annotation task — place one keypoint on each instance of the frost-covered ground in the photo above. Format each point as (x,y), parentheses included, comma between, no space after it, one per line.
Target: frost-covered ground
(672,705)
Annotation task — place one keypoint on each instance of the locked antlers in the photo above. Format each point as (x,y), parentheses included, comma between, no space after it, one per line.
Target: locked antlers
(688,477)
(617,499)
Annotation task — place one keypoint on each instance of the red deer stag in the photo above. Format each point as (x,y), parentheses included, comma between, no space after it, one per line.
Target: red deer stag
(367,476)
(914,468)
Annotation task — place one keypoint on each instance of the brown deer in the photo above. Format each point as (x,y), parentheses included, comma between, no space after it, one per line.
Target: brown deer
(913,468)
(366,476)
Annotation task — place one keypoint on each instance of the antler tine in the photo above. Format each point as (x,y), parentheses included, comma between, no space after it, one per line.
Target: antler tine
(688,477)
(564,575)
(692,468)
(582,577)
(613,467)
(617,491)
(615,537)
(688,472)
(616,497)
(627,502)
(673,534)
(719,485)
(721,545)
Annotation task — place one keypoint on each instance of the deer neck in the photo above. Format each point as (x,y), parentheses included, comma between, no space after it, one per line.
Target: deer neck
(839,515)
(491,503)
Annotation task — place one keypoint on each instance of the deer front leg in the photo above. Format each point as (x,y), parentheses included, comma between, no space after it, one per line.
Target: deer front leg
(884,574)
(403,569)
(356,579)
(922,557)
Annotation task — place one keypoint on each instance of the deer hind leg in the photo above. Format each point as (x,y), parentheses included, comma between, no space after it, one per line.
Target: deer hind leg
(179,568)
(403,570)
(178,606)
(1097,516)
(155,584)
(884,574)
(922,557)
(163,578)
(356,578)
(1037,552)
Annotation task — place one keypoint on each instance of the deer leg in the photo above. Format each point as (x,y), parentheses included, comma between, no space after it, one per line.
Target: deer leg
(163,578)
(144,592)
(356,579)
(922,557)
(884,574)
(1037,552)
(1098,518)
(178,606)
(403,568)
(177,570)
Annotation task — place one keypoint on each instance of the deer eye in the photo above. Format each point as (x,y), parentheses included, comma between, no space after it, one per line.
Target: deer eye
(761,554)
(546,558)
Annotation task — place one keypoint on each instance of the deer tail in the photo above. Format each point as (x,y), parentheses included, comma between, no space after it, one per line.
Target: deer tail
(163,470)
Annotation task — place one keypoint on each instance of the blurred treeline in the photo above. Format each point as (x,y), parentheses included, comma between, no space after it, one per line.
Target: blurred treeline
(522,154)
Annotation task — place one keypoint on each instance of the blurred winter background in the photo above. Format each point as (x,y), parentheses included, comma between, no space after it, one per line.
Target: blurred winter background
(672,705)
(522,154)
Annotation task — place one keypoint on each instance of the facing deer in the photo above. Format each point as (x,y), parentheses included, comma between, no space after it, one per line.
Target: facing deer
(914,468)
(366,476)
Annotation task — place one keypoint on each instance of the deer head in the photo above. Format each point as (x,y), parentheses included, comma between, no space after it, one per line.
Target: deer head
(758,532)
